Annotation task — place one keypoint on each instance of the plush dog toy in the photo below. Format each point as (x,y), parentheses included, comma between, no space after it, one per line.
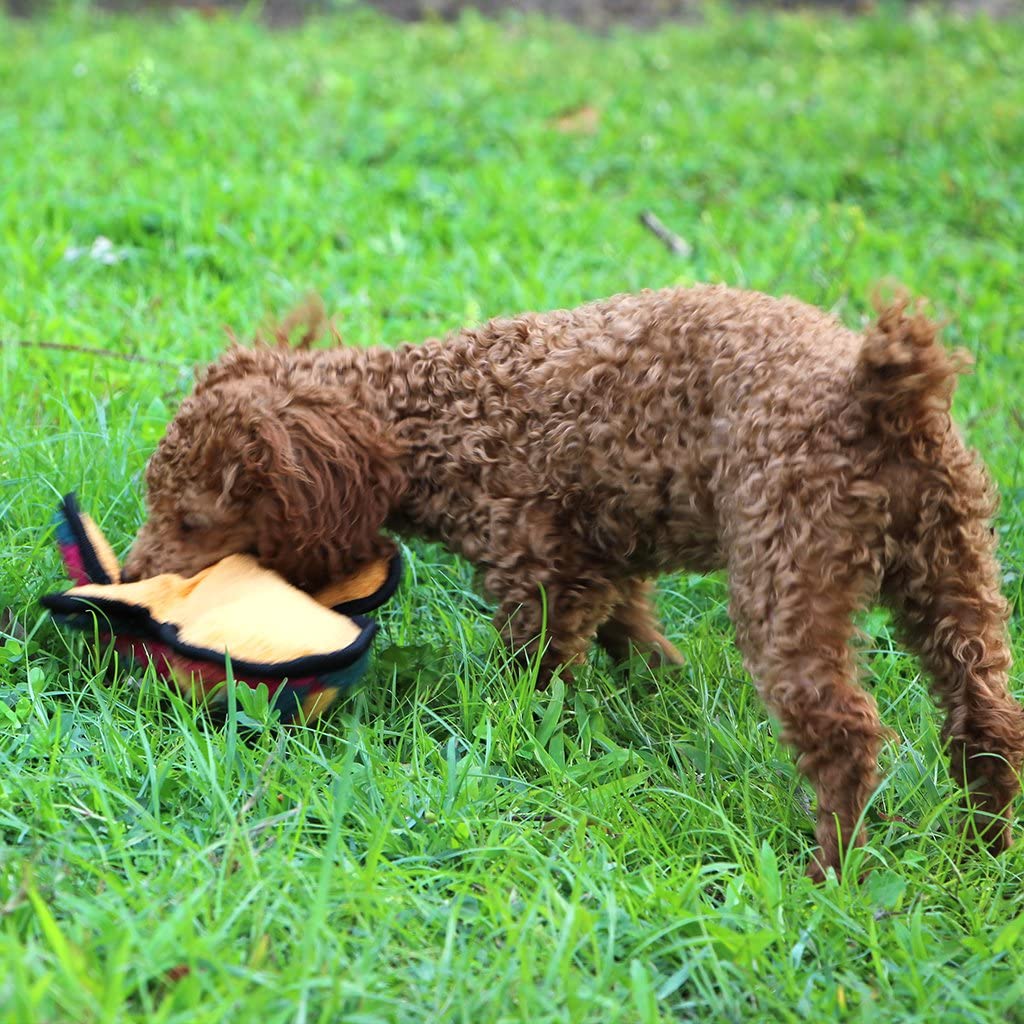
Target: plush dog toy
(305,649)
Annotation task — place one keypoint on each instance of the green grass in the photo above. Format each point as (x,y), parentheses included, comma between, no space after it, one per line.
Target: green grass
(451,846)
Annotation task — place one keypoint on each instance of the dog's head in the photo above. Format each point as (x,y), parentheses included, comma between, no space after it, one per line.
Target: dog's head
(262,461)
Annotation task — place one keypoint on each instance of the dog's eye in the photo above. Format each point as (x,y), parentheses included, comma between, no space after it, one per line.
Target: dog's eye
(190,524)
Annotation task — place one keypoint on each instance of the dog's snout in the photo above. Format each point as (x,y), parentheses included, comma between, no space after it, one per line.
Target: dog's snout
(135,566)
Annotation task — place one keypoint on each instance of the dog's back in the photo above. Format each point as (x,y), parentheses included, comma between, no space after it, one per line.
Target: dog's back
(622,416)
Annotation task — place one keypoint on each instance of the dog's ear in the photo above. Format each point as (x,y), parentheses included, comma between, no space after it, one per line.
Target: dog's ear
(330,476)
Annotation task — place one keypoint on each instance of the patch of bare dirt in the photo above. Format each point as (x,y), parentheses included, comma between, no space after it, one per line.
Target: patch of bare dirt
(592,14)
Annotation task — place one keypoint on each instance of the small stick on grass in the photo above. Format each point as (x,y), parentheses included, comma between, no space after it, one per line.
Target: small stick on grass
(669,238)
(85,350)
(898,818)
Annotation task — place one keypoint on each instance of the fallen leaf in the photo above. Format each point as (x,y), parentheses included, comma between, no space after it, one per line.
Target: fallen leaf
(10,625)
(577,120)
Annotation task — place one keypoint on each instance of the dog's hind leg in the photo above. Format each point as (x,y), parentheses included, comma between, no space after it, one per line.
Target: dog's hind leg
(945,590)
(941,573)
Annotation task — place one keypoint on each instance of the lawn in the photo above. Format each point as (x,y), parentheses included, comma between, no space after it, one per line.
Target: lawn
(451,846)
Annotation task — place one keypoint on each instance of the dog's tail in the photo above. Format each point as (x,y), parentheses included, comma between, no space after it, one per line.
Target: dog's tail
(905,376)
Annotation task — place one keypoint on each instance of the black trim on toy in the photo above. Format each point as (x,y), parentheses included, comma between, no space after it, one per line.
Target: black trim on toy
(361,605)
(90,562)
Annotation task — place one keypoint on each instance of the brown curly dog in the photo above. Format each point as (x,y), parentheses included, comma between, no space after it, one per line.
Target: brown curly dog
(574,455)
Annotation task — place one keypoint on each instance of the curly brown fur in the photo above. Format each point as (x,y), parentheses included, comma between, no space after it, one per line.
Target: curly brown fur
(574,455)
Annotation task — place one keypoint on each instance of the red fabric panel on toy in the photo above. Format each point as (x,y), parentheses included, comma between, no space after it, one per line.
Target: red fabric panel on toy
(71,555)
(204,682)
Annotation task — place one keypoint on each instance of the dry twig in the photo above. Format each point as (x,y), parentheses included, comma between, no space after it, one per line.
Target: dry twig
(669,238)
(85,350)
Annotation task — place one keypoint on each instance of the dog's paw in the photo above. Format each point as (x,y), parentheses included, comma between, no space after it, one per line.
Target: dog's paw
(993,835)
(817,870)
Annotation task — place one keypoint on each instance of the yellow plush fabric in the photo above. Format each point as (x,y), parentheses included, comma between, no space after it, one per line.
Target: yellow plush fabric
(368,580)
(239,607)
(102,549)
